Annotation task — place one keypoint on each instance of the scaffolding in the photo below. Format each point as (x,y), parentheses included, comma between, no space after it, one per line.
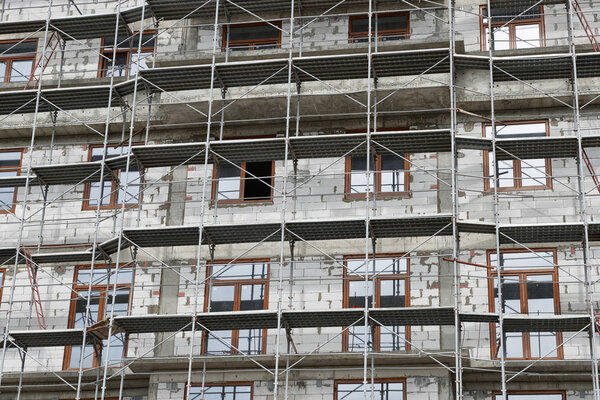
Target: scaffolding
(121,238)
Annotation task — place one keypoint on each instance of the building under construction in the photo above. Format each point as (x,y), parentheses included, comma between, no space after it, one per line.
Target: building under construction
(299,199)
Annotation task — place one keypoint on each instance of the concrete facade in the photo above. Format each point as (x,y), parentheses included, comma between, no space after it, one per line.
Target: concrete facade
(174,279)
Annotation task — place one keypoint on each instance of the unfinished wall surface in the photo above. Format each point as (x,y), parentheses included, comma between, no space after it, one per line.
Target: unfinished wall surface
(295,105)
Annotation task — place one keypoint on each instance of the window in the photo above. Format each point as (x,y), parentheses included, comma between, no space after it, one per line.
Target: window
(529,395)
(111,193)
(389,171)
(10,165)
(389,26)
(239,286)
(513,27)
(529,286)
(256,36)
(383,389)
(235,391)
(517,174)
(17,59)
(126,55)
(103,284)
(391,289)
(2,275)
(243,182)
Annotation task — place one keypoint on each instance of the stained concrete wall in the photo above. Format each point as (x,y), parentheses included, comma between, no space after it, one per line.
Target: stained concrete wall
(318,280)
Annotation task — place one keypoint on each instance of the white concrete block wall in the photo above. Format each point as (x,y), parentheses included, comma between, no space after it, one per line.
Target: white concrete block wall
(321,285)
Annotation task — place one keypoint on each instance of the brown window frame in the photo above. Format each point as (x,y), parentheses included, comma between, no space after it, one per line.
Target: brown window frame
(347,278)
(3,272)
(348,195)
(101,310)
(213,384)
(523,300)
(91,398)
(16,169)
(531,392)
(360,381)
(243,179)
(517,180)
(114,190)
(237,298)
(380,34)
(107,53)
(512,36)
(251,43)
(8,59)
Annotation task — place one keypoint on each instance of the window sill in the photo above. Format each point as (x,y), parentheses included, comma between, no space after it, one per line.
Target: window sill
(519,189)
(240,203)
(378,196)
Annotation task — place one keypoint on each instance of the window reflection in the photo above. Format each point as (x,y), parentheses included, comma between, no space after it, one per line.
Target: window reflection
(518,174)
(387,289)
(514,27)
(103,281)
(529,286)
(10,165)
(237,287)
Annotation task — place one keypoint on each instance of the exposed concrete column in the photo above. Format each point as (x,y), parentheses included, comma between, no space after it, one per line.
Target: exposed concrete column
(190,36)
(446,268)
(169,279)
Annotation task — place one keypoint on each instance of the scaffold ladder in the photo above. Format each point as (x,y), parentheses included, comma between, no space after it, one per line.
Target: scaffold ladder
(590,34)
(35,292)
(586,26)
(51,46)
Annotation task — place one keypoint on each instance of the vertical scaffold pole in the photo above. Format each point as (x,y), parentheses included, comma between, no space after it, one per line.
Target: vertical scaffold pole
(367,205)
(454,188)
(284,204)
(123,207)
(203,203)
(25,198)
(587,267)
(99,204)
(496,181)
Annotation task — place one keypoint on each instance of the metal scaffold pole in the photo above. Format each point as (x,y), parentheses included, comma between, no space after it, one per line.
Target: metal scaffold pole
(18,250)
(117,264)
(284,201)
(587,267)
(98,218)
(501,345)
(368,288)
(458,369)
(188,385)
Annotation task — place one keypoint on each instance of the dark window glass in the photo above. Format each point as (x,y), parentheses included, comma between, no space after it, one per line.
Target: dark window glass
(504,14)
(384,23)
(532,396)
(252,32)
(125,42)
(258,178)
(23,48)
